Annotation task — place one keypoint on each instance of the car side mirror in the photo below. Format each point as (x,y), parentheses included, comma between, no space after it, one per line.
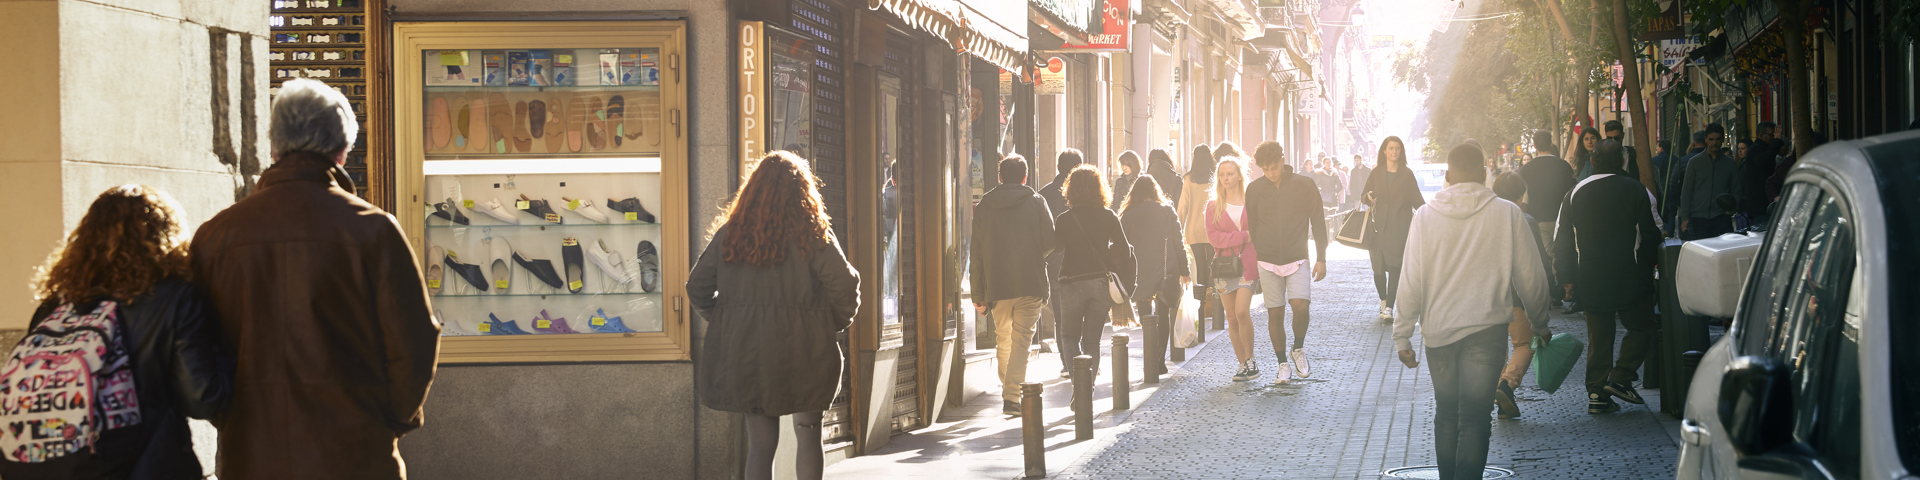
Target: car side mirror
(1756,404)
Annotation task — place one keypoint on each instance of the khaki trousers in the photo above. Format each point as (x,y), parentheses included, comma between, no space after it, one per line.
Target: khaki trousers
(1520,333)
(1013,321)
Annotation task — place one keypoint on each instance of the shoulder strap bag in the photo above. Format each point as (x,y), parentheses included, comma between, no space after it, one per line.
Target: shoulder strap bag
(1115,289)
(1228,266)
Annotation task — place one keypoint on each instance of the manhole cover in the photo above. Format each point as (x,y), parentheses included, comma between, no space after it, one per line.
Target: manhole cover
(1432,472)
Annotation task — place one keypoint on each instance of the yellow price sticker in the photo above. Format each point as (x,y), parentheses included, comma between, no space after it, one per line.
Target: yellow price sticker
(553,217)
(522,204)
(499,284)
(569,241)
(467,203)
(573,204)
(486,328)
(575,285)
(633,215)
(434,284)
(597,321)
(543,323)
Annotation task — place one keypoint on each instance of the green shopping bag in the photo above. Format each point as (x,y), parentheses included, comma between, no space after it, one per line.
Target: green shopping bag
(1554,360)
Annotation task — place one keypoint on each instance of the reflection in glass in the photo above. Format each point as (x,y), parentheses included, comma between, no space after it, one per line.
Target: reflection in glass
(890,149)
(790,117)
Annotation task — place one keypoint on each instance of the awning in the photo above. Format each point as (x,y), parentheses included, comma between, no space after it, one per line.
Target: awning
(985,31)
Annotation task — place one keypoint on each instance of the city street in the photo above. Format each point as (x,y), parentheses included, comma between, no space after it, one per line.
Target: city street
(1361,414)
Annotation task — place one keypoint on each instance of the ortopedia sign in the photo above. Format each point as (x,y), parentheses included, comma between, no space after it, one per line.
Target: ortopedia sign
(753,88)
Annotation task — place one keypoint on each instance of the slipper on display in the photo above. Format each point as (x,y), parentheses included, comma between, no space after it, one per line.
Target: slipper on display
(596,124)
(435,271)
(462,122)
(617,118)
(576,119)
(499,121)
(522,140)
(439,128)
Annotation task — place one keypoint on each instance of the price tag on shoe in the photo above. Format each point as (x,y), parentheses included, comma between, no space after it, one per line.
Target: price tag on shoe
(522,204)
(574,285)
(597,321)
(433,284)
(543,323)
(467,203)
(486,328)
(573,204)
(500,284)
(553,217)
(631,216)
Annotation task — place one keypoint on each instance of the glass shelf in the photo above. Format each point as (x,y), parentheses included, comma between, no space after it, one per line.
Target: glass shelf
(437,224)
(532,88)
(582,294)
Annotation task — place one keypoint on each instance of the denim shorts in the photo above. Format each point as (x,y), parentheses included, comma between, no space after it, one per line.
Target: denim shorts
(1228,284)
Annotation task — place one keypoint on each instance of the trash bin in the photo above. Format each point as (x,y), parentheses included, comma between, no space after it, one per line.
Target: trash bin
(1679,333)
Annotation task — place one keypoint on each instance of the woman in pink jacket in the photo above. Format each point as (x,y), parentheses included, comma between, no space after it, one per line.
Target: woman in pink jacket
(1227,230)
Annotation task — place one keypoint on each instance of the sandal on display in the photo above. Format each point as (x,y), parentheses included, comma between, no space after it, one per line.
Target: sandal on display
(631,205)
(467,271)
(571,262)
(500,263)
(546,324)
(576,117)
(649,260)
(596,124)
(522,139)
(540,209)
(493,208)
(601,323)
(541,269)
(497,327)
(439,128)
(617,118)
(609,262)
(585,208)
(435,272)
(450,212)
(462,123)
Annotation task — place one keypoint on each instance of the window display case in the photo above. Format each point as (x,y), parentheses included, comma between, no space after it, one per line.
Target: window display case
(541,170)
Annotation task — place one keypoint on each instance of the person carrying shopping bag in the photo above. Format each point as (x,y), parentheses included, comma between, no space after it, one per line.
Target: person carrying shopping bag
(1160,266)
(1393,194)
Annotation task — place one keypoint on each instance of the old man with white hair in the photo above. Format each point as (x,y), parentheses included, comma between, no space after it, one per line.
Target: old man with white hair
(320,296)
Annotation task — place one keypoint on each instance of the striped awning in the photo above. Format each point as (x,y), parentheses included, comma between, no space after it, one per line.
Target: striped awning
(970,30)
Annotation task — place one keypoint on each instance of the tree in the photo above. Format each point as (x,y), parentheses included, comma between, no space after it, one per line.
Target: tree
(1623,39)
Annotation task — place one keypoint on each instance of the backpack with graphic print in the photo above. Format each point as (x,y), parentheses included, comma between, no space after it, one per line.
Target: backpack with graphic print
(70,379)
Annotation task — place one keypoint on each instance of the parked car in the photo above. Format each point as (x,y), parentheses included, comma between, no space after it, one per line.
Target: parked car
(1432,177)
(1818,375)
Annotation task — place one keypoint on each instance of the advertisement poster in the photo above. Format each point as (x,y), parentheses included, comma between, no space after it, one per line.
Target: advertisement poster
(1053,78)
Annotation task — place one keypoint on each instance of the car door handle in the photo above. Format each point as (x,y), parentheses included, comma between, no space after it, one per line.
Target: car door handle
(1694,433)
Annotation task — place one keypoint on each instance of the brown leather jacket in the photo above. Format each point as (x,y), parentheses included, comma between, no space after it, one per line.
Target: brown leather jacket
(321,300)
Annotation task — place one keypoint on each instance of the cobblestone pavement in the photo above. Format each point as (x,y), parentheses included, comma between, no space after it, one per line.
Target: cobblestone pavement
(1361,413)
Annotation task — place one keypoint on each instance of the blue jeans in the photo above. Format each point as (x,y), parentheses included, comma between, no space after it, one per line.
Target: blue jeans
(1464,374)
(1084,307)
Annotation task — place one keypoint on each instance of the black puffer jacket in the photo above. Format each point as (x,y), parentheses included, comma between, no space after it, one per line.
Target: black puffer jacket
(179,370)
(771,347)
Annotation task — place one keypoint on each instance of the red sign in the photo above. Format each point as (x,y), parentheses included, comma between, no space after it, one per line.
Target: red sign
(1116,18)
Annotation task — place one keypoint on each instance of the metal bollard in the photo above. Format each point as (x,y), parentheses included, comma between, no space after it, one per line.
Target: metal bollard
(1033,430)
(1083,397)
(1122,379)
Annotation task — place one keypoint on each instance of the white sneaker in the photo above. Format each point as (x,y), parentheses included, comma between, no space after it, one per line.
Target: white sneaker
(1284,375)
(1299,357)
(585,209)
(1386,312)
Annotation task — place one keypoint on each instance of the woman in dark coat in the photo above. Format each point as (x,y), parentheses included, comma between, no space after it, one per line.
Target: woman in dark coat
(1160,265)
(1160,166)
(1393,195)
(1094,245)
(775,289)
(1129,171)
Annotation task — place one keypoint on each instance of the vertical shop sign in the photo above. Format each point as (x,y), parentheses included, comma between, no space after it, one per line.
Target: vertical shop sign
(1053,78)
(1116,20)
(752,89)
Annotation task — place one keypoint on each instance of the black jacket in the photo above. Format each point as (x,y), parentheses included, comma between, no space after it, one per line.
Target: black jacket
(1159,246)
(1121,186)
(1168,180)
(1607,243)
(1754,170)
(1548,180)
(1094,244)
(1012,237)
(1395,196)
(180,371)
(1056,196)
(1280,215)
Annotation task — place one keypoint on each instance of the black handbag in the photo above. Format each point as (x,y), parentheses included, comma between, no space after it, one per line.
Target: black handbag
(1227,266)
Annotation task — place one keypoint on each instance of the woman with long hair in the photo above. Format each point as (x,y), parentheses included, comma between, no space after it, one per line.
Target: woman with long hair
(1094,245)
(1129,165)
(1226,221)
(127,262)
(775,289)
(1583,153)
(1160,166)
(1160,266)
(1393,194)
(1192,208)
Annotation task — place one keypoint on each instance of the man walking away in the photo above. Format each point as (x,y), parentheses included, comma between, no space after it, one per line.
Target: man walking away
(1755,167)
(320,297)
(1670,193)
(1548,180)
(1469,255)
(1605,250)
(1709,175)
(1282,208)
(1012,237)
(1056,196)
(1613,131)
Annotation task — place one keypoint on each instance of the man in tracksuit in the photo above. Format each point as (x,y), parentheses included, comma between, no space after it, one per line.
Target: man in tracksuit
(1012,235)
(1607,246)
(1282,207)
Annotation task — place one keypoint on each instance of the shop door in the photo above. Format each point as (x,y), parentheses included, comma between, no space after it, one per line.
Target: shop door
(897,243)
(824,23)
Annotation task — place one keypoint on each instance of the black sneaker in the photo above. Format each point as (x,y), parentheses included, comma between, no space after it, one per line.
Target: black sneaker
(1010,408)
(1573,307)
(1601,403)
(1625,392)
(1503,398)
(1246,372)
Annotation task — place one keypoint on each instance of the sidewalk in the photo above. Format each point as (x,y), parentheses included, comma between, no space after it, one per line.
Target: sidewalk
(1361,414)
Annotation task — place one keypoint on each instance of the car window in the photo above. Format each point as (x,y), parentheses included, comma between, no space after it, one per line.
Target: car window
(1812,338)
(1768,280)
(1431,179)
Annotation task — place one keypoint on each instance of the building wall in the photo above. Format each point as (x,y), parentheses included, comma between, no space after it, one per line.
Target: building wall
(88,111)
(606,420)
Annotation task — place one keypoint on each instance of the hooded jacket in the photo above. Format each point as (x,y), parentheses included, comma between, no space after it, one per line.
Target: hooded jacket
(1012,238)
(1469,255)
(772,345)
(1607,243)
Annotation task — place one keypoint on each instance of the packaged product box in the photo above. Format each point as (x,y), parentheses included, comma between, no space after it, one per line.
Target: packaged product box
(649,66)
(517,63)
(629,66)
(492,60)
(610,67)
(563,70)
(540,68)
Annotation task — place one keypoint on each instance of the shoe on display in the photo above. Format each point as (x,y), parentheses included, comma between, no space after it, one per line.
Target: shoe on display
(1300,365)
(631,205)
(500,263)
(608,261)
(585,208)
(1625,392)
(1283,375)
(601,323)
(540,209)
(450,212)
(1601,403)
(648,260)
(548,324)
(435,271)
(493,208)
(1503,398)
(571,262)
(497,327)
(467,271)
(540,269)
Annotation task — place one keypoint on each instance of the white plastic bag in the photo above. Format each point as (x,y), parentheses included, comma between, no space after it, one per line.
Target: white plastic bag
(1186,327)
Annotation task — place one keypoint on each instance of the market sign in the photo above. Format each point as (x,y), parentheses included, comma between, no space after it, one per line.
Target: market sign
(1076,13)
(1053,78)
(1672,52)
(1665,26)
(1116,16)
(753,88)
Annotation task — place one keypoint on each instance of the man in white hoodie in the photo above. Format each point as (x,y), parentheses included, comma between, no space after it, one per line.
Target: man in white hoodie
(1469,255)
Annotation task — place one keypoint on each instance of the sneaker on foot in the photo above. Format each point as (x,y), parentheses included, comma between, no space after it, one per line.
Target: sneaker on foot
(1601,403)
(1625,392)
(1503,398)
(1299,357)
(1283,375)
(1010,408)
(1386,312)
(1242,374)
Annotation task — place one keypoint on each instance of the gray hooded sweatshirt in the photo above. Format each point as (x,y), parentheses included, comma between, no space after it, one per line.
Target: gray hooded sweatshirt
(1468,255)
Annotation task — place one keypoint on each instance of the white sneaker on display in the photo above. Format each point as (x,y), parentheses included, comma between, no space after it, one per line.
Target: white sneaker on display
(493,208)
(608,261)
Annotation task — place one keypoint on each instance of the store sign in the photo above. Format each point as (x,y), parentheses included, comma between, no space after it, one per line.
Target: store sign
(1116,18)
(1382,41)
(1076,13)
(1053,78)
(1665,26)
(1672,52)
(753,89)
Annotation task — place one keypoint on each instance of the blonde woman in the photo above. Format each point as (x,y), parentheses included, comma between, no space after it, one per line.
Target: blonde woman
(1226,221)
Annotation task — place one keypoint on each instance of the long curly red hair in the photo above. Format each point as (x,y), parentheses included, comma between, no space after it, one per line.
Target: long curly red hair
(778,206)
(129,240)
